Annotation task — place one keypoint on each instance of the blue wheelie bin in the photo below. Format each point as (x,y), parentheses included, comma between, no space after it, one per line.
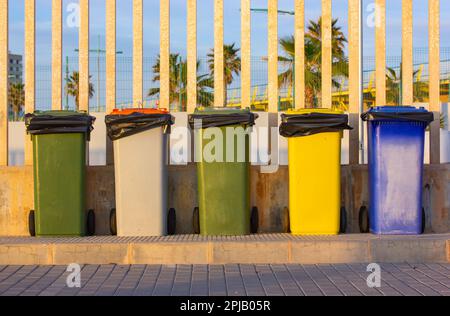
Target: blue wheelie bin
(396,137)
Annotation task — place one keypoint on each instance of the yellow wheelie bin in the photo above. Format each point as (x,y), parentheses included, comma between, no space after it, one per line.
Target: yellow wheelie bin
(314,145)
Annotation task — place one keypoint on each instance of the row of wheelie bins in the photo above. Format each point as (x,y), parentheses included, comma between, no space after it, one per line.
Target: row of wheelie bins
(396,137)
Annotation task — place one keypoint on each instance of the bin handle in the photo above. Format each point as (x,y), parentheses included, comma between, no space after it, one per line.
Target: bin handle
(166,129)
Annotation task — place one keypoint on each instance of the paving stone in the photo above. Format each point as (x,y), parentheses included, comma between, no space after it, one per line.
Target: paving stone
(286,281)
(130,281)
(90,287)
(251,281)
(268,281)
(44,282)
(165,281)
(217,281)
(325,285)
(307,286)
(357,276)
(234,282)
(7,271)
(182,281)
(15,278)
(199,280)
(27,284)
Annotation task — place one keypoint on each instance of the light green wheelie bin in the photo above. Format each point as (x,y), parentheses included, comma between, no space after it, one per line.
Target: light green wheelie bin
(223,180)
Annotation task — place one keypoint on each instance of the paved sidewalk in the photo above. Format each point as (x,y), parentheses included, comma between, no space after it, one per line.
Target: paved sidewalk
(218,280)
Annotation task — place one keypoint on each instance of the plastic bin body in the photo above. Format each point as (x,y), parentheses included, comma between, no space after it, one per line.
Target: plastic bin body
(224,186)
(141,182)
(314,181)
(60,184)
(141,179)
(396,155)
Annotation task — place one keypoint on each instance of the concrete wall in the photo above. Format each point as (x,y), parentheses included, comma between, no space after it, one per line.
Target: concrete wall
(16,199)
(269,192)
(97,145)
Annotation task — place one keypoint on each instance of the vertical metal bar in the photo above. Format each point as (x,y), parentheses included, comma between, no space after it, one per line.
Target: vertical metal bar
(165,53)
(380,51)
(98,73)
(30,69)
(434,70)
(245,54)
(355,86)
(191,55)
(137,53)
(326,53)
(273,55)
(407,52)
(300,54)
(56,54)
(110,55)
(84,56)
(362,130)
(219,83)
(4,83)
(110,69)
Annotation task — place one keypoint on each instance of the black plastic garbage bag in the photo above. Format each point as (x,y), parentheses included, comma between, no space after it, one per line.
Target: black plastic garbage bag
(299,125)
(120,126)
(413,116)
(59,123)
(220,120)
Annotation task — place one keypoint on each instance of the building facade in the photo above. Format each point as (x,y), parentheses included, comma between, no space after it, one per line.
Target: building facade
(15,68)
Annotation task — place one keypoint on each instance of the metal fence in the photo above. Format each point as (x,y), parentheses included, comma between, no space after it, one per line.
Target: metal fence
(259,93)
(133,80)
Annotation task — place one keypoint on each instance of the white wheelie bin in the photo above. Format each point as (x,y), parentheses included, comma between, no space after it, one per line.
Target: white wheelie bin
(140,141)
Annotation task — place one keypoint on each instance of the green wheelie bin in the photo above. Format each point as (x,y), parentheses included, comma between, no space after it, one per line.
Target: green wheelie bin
(59,165)
(222,141)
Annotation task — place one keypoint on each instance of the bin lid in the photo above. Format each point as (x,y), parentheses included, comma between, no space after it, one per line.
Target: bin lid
(398,113)
(306,122)
(60,113)
(313,110)
(219,117)
(220,111)
(59,122)
(128,122)
(395,109)
(138,110)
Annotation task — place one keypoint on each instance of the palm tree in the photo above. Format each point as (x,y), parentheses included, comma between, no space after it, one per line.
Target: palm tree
(231,66)
(73,88)
(313,58)
(16,96)
(393,84)
(178,83)
(338,40)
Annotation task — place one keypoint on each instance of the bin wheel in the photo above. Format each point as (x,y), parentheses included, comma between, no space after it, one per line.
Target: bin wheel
(424,220)
(254,220)
(364,220)
(113,222)
(343,221)
(91,223)
(31,224)
(196,220)
(286,221)
(171,221)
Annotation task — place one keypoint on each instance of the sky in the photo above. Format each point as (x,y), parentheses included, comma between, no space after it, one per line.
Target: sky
(205,29)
